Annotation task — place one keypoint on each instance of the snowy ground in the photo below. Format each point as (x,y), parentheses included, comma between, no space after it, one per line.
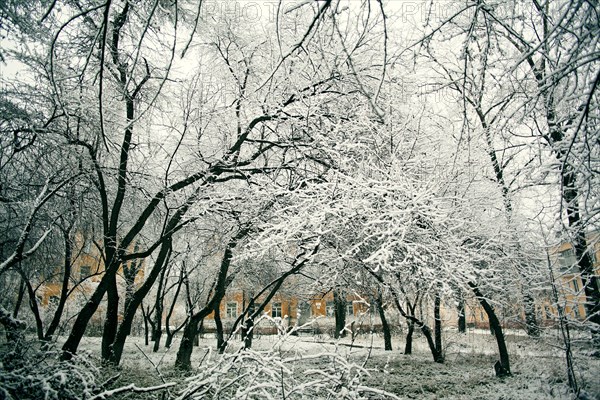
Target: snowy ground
(538,366)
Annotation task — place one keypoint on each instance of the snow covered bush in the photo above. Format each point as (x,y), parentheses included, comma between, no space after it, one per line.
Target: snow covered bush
(41,375)
(273,374)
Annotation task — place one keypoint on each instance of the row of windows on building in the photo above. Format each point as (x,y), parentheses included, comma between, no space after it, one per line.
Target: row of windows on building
(231,309)
(567,258)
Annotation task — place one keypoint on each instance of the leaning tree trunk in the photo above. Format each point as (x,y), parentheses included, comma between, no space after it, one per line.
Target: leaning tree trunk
(33,306)
(184,354)
(385,326)
(17,308)
(186,346)
(111,321)
(503,366)
(158,306)
(135,301)
(171,333)
(64,290)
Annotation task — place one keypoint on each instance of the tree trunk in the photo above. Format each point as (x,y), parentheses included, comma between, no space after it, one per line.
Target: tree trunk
(219,326)
(462,317)
(171,333)
(248,333)
(339,306)
(437,327)
(409,337)
(531,323)
(503,366)
(169,339)
(64,291)
(387,335)
(137,298)
(33,305)
(17,308)
(198,333)
(184,354)
(85,314)
(158,306)
(145,318)
(186,346)
(591,284)
(111,322)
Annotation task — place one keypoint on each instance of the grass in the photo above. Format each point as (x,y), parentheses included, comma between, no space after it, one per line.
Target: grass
(538,365)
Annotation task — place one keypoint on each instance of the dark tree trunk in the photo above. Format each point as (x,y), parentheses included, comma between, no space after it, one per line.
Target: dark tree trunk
(158,306)
(198,333)
(186,346)
(503,368)
(145,318)
(184,354)
(33,305)
(64,291)
(462,317)
(85,314)
(22,288)
(409,337)
(253,312)
(591,283)
(387,335)
(111,322)
(339,306)
(533,328)
(137,298)
(438,327)
(411,318)
(248,333)
(219,327)
(171,333)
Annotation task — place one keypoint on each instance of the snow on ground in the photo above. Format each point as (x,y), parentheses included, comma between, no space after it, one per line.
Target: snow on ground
(538,365)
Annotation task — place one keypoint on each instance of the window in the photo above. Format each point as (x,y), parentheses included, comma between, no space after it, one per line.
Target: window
(276,310)
(329,309)
(350,308)
(567,258)
(84,272)
(231,311)
(576,284)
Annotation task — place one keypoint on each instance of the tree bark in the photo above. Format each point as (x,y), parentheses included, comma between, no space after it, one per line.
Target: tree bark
(33,305)
(137,298)
(219,326)
(462,317)
(385,326)
(64,290)
(145,318)
(409,337)
(503,369)
(184,354)
(111,321)
(17,308)
(438,326)
(158,306)
(339,306)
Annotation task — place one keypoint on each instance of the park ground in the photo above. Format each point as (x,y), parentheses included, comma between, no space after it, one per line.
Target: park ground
(538,365)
